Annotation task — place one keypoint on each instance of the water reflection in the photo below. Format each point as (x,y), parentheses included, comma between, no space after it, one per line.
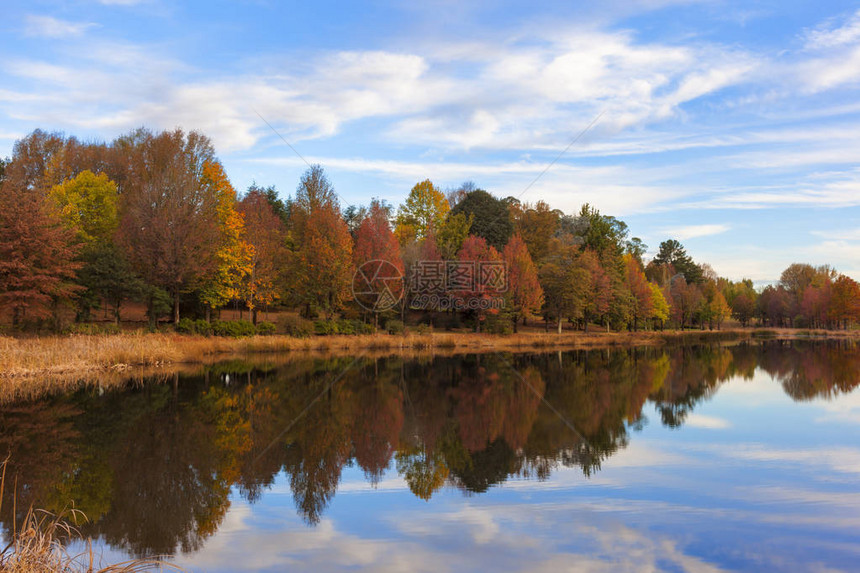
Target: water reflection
(153,466)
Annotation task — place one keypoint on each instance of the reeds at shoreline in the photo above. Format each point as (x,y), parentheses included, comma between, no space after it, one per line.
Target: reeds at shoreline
(37,546)
(127,354)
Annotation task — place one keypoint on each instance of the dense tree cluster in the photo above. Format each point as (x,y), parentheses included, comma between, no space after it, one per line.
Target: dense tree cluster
(153,218)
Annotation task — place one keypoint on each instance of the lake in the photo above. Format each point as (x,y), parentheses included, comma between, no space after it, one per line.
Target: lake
(733,457)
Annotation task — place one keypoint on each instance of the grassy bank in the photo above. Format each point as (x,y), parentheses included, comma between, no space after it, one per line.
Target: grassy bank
(139,353)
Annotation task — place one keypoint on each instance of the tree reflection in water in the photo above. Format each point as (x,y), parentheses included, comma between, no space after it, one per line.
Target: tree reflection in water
(153,465)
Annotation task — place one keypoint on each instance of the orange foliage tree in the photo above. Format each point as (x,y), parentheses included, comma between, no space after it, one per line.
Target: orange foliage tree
(265,233)
(524,294)
(322,266)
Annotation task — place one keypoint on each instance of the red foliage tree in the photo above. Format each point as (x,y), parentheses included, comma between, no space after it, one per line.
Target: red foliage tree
(474,253)
(264,231)
(524,294)
(598,288)
(37,255)
(640,289)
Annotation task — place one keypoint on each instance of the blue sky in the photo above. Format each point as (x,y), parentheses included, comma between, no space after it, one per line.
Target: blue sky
(728,125)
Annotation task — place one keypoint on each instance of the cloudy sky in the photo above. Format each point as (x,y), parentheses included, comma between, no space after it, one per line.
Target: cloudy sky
(732,127)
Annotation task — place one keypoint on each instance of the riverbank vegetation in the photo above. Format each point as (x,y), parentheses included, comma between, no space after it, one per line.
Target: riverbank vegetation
(151,221)
(132,355)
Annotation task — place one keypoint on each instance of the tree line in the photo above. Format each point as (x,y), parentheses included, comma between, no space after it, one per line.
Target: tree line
(152,217)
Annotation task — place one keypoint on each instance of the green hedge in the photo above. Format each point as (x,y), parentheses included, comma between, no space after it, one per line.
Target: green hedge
(295,326)
(92,329)
(328,327)
(234,328)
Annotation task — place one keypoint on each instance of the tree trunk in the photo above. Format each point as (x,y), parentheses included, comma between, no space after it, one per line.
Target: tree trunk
(176,307)
(208,314)
(254,316)
(559,324)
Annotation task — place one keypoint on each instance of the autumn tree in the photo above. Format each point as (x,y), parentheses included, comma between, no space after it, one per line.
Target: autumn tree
(377,251)
(774,305)
(37,252)
(844,301)
(536,225)
(660,310)
(451,234)
(169,212)
(264,232)
(639,288)
(485,285)
(686,298)
(424,209)
(234,257)
(597,292)
(323,265)
(743,308)
(524,293)
(719,309)
(88,205)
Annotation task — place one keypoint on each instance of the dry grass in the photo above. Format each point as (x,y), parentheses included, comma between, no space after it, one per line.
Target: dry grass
(69,358)
(37,547)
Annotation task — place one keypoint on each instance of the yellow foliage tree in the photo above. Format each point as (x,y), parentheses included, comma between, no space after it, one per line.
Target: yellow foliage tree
(659,306)
(424,209)
(235,254)
(87,204)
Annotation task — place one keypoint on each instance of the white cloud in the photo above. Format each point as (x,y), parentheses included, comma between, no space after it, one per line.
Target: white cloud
(706,422)
(694,231)
(829,35)
(50,27)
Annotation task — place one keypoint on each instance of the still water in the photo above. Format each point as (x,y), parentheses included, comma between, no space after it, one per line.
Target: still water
(704,458)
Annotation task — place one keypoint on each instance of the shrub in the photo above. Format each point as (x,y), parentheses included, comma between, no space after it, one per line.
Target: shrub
(202,327)
(423,329)
(359,327)
(234,328)
(90,329)
(295,326)
(188,326)
(498,324)
(329,327)
(325,327)
(265,328)
(185,326)
(395,327)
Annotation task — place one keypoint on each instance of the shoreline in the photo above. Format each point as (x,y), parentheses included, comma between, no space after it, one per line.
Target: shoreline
(79,355)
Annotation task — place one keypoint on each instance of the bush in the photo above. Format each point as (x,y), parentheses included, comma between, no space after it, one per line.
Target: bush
(90,329)
(185,326)
(329,327)
(498,324)
(202,327)
(423,329)
(295,326)
(265,328)
(234,328)
(395,327)
(188,326)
